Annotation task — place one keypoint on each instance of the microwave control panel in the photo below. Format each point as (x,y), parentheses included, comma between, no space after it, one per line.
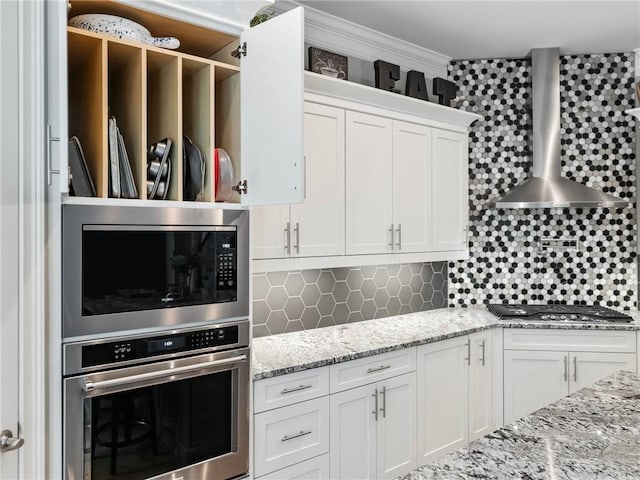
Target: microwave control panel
(226,266)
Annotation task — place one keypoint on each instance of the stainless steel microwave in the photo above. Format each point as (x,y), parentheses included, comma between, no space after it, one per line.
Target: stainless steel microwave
(128,269)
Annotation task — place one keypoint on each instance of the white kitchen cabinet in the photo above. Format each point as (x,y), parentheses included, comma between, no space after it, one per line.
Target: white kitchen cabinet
(288,435)
(443,400)
(481,384)
(412,187)
(314,227)
(542,366)
(449,191)
(317,468)
(266,129)
(373,430)
(369,212)
(532,380)
(587,368)
(455,393)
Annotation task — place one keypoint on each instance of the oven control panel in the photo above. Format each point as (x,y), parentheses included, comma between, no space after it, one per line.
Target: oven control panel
(148,347)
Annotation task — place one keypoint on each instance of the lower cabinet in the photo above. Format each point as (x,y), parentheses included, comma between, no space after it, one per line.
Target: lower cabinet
(542,366)
(534,379)
(316,468)
(373,430)
(455,394)
(291,434)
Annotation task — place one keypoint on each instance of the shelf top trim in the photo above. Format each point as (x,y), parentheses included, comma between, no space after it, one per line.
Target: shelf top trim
(354,92)
(151,48)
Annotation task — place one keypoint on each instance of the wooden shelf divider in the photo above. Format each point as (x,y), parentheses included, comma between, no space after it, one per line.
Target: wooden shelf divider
(154,94)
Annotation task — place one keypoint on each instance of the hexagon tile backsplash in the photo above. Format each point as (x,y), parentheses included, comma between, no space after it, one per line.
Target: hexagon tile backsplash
(307,299)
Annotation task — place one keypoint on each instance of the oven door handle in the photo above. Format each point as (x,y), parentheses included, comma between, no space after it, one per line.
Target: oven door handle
(115,382)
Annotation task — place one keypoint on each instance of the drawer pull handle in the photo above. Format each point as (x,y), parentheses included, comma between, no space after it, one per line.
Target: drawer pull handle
(377,369)
(301,433)
(294,389)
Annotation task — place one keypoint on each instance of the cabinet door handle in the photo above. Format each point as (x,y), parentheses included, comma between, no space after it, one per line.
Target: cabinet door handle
(468,357)
(575,369)
(399,232)
(375,407)
(296,231)
(377,369)
(566,366)
(287,238)
(391,233)
(301,433)
(47,152)
(284,391)
(482,346)
(383,409)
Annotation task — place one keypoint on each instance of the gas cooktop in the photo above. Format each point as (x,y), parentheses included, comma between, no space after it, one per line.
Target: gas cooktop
(558,313)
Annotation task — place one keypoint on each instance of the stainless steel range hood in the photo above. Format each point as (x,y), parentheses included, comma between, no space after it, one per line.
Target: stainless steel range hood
(547,189)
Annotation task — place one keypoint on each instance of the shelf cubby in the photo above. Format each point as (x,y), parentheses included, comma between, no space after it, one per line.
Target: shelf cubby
(154,94)
(127,81)
(87,76)
(198,113)
(164,111)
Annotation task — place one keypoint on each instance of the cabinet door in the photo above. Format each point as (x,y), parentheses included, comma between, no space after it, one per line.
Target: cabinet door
(449,201)
(587,368)
(318,223)
(443,400)
(269,235)
(271,87)
(411,187)
(481,385)
(396,436)
(368,184)
(532,380)
(353,434)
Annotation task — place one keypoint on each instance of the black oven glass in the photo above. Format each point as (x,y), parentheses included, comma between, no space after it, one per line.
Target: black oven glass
(152,430)
(133,270)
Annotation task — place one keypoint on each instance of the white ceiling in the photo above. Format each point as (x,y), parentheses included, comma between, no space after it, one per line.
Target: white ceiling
(465,29)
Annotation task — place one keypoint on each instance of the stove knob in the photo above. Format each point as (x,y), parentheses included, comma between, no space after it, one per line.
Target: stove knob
(563,317)
(545,317)
(574,317)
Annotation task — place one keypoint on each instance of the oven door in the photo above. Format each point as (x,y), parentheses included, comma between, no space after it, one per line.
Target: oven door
(179,419)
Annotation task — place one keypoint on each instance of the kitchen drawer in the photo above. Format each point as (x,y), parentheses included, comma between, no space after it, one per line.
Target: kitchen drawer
(371,369)
(292,388)
(289,435)
(567,340)
(317,468)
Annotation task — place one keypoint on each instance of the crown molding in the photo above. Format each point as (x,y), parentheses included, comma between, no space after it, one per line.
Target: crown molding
(342,36)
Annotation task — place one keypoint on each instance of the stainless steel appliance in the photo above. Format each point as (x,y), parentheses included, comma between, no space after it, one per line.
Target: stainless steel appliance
(170,406)
(147,268)
(547,188)
(558,313)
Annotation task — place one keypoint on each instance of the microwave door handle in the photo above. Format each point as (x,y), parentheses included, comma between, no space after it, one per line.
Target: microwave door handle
(116,382)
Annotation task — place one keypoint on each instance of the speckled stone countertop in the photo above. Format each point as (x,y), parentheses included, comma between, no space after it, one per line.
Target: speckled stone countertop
(290,352)
(593,434)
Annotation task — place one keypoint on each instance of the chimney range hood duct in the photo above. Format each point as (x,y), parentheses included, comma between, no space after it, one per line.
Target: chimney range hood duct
(547,189)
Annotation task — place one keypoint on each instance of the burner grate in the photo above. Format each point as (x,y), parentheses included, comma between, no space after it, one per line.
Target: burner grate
(558,312)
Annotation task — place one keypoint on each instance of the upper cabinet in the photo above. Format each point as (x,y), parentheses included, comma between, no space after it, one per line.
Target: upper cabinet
(405,190)
(193,96)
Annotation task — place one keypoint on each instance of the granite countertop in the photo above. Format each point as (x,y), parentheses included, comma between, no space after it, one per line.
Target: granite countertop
(592,434)
(290,352)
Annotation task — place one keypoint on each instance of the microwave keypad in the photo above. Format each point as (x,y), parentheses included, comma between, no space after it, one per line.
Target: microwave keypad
(226,270)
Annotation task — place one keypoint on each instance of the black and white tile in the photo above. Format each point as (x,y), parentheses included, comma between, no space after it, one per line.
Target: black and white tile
(598,149)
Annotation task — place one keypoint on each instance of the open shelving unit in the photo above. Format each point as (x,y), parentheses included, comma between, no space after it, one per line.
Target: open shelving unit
(153,93)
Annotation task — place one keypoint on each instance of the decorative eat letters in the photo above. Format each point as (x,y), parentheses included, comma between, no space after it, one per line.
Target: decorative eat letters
(416,86)
(445,90)
(386,74)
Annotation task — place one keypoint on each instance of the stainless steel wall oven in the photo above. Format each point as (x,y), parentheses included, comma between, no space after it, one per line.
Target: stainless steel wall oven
(134,268)
(169,406)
